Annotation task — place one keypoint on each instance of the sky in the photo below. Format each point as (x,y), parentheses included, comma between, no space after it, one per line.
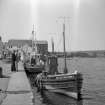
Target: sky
(84,22)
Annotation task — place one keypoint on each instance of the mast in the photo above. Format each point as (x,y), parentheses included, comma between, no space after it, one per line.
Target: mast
(33,38)
(34,47)
(52,45)
(65,64)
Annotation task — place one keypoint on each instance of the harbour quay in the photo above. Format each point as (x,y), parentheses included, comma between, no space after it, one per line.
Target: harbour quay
(18,90)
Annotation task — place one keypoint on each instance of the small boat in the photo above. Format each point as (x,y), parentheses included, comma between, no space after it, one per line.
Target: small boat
(66,83)
(35,67)
(34,63)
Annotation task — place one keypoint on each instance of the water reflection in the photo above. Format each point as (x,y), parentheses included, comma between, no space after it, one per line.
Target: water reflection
(50,98)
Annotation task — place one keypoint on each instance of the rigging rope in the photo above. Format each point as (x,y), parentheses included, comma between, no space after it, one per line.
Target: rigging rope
(59,43)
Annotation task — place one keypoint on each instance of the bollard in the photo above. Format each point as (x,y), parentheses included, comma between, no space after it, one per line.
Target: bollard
(0,72)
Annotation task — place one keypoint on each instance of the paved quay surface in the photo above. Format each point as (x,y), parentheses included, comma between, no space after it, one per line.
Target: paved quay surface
(5,79)
(19,91)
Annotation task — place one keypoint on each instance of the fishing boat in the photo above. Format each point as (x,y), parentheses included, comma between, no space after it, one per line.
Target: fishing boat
(66,83)
(34,64)
(35,67)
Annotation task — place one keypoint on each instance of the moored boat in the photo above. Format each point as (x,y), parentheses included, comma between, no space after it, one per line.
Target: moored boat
(34,66)
(64,83)
(33,62)
(69,84)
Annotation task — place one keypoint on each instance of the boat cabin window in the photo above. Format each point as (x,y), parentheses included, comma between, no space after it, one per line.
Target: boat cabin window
(53,61)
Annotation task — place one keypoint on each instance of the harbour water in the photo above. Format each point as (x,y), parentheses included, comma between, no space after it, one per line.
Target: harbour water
(93,90)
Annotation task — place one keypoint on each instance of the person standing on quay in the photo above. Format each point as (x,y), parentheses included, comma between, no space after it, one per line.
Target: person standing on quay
(17,59)
(13,66)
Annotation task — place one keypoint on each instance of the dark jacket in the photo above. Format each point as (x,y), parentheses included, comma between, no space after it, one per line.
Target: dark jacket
(13,57)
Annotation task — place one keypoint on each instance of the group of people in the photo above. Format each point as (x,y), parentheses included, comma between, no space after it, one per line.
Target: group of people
(15,60)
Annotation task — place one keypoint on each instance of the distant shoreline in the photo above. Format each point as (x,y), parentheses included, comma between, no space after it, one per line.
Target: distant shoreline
(90,54)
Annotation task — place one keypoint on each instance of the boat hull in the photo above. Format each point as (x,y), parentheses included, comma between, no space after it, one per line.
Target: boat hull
(63,91)
(33,69)
(65,84)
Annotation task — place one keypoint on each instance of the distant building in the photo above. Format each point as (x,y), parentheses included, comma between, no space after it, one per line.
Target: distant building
(42,46)
(19,43)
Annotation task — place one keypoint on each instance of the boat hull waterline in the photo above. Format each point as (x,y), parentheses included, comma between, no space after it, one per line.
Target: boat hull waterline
(33,68)
(68,84)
